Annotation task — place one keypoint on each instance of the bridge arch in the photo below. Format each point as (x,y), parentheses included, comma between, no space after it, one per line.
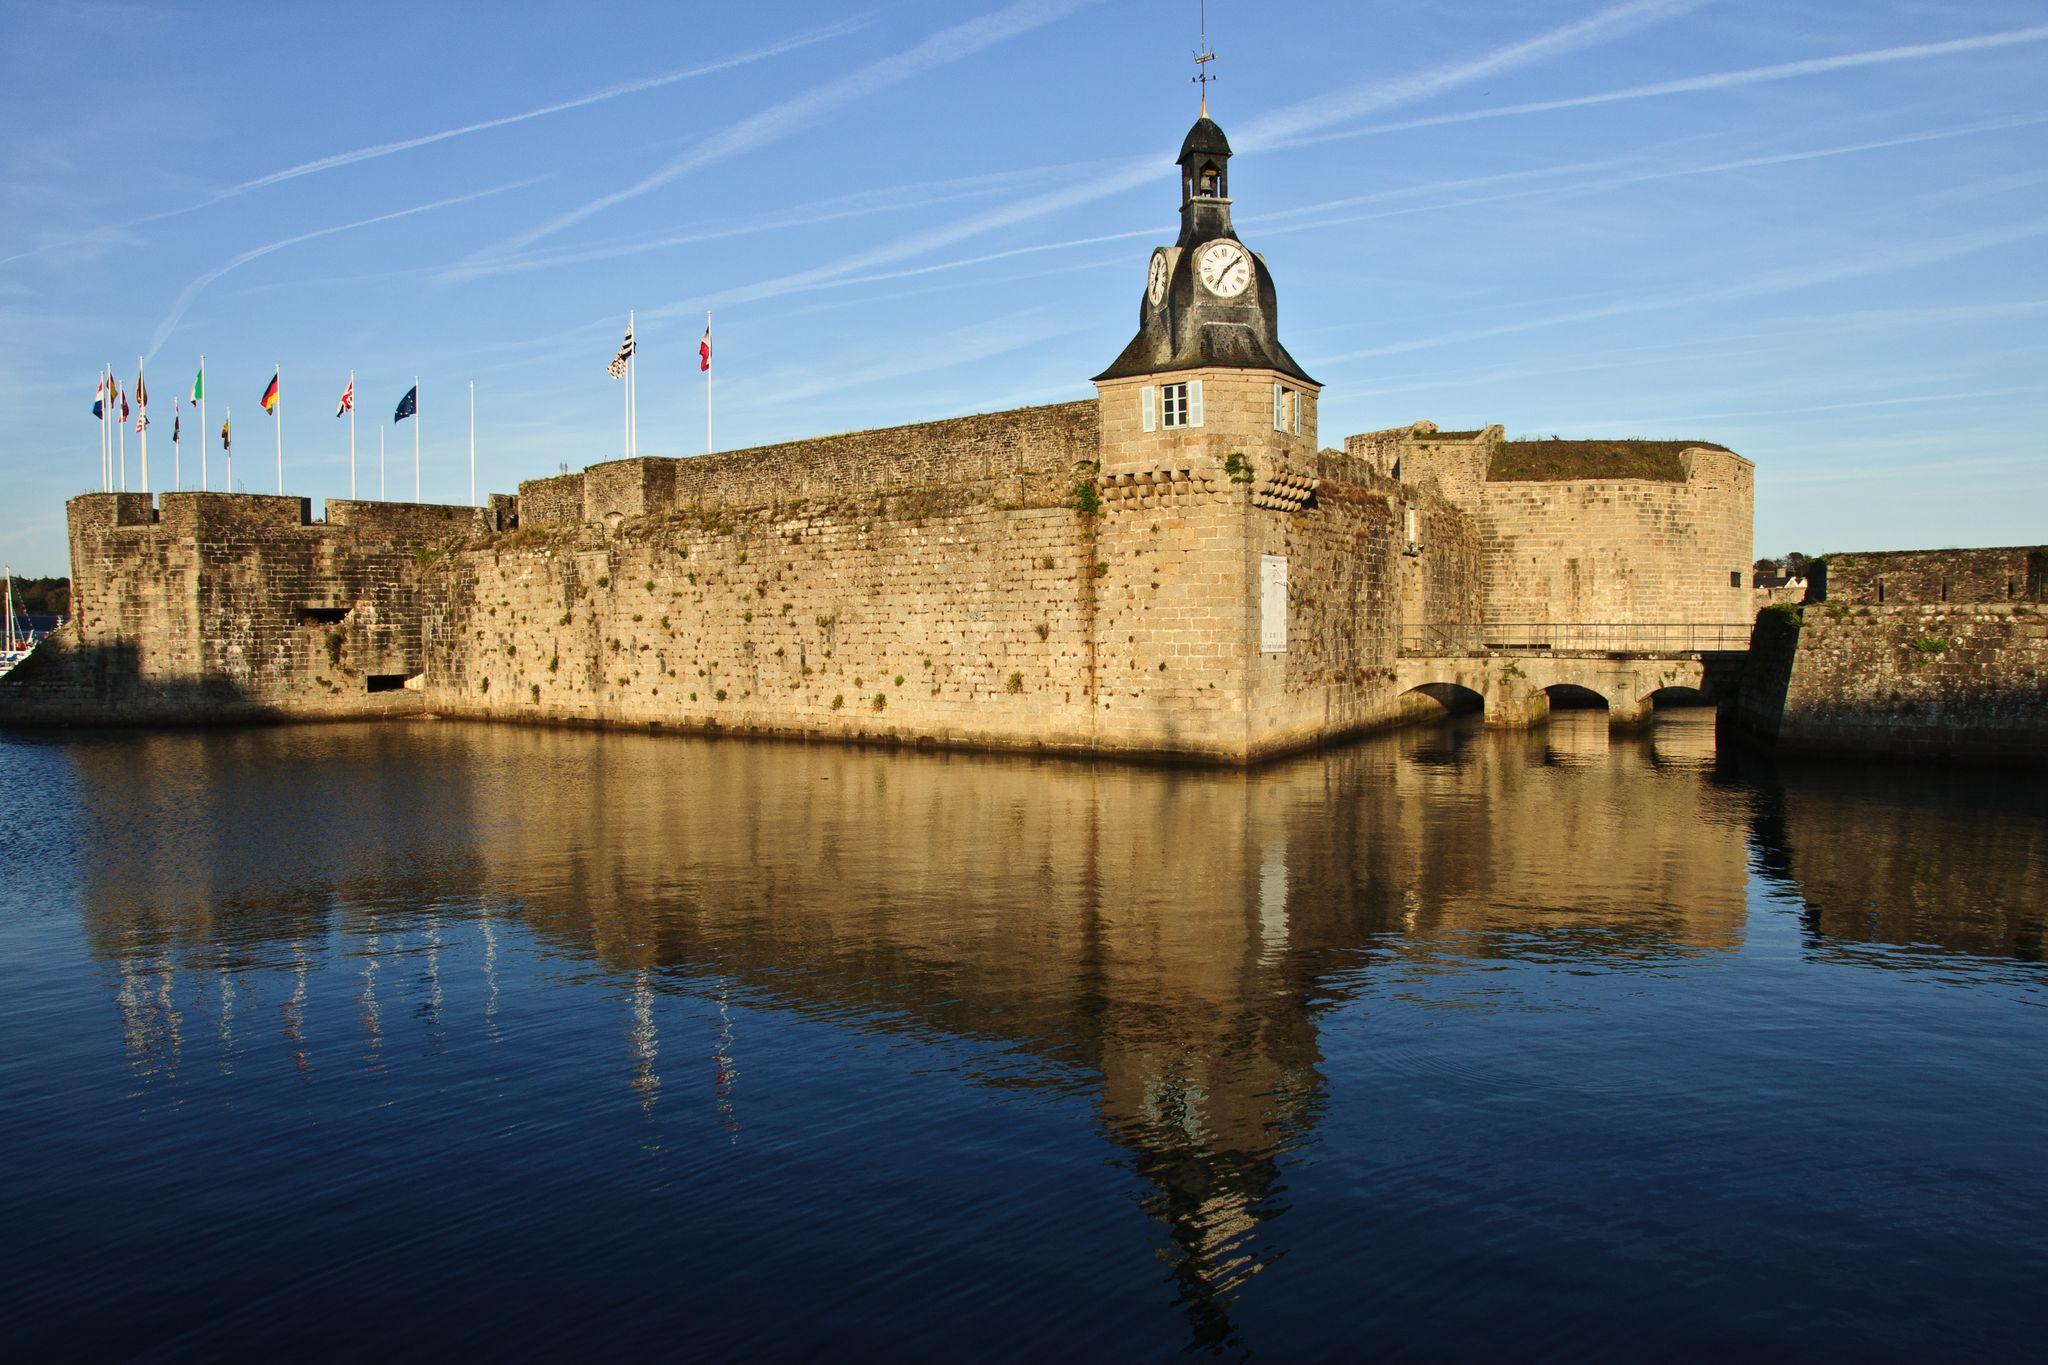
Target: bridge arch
(1576,696)
(1455,699)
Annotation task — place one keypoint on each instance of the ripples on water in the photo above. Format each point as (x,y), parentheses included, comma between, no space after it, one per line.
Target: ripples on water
(428,1037)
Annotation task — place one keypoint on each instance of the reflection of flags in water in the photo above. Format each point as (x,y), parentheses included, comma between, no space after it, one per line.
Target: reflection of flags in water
(617,369)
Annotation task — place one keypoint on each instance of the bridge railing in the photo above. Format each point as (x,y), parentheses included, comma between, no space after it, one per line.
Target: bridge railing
(1602,637)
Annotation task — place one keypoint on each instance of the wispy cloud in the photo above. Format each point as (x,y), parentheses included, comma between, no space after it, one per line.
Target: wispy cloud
(193,290)
(1283,221)
(786,117)
(1687,85)
(1759,285)
(1306,114)
(864,203)
(114,235)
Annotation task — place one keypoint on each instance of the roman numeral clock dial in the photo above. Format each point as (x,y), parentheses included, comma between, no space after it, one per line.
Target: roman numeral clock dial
(1225,268)
(1155,281)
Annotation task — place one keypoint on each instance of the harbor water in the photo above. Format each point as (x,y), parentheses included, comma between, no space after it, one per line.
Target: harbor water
(412,1038)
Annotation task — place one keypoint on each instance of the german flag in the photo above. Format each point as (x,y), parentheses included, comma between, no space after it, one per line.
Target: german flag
(270,397)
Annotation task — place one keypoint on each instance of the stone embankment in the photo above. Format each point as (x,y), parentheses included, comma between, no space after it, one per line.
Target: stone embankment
(1905,657)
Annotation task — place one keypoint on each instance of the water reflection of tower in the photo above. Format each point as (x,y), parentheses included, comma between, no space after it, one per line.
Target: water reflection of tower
(292,1012)
(644,1041)
(724,1071)
(372,1012)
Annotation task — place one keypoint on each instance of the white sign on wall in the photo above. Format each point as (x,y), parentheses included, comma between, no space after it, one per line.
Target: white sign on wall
(1273,604)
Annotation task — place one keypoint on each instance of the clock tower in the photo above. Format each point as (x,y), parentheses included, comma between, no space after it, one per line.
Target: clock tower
(1206,377)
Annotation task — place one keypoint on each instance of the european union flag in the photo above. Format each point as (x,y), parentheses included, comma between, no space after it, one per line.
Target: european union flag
(408,406)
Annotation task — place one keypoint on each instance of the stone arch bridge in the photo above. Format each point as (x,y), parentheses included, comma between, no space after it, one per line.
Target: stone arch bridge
(1513,671)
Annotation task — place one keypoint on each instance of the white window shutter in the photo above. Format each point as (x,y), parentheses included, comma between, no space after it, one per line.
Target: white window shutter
(1194,402)
(1147,408)
(1298,396)
(1279,407)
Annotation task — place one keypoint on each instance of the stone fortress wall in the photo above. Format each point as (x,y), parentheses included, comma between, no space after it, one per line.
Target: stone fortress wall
(1920,653)
(197,607)
(1594,532)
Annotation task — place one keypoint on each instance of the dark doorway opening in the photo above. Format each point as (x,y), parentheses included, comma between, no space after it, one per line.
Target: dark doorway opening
(384,682)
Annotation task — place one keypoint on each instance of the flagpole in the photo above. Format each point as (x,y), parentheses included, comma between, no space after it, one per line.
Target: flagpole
(632,391)
(708,446)
(106,437)
(277,378)
(177,459)
(415,438)
(472,443)
(123,433)
(380,464)
(351,434)
(204,431)
(142,421)
(227,424)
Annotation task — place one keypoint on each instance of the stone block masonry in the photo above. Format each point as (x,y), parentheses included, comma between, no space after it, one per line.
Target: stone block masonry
(206,607)
(1956,681)
(1895,577)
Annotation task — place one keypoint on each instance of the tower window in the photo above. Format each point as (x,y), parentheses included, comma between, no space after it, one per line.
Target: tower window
(1180,405)
(1286,409)
(1209,185)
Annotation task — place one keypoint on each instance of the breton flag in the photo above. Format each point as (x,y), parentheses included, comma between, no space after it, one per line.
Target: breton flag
(177,420)
(348,398)
(99,397)
(408,406)
(617,369)
(141,402)
(270,397)
(704,349)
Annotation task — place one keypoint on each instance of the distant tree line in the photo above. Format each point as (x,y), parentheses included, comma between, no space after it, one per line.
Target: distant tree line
(42,596)
(1793,565)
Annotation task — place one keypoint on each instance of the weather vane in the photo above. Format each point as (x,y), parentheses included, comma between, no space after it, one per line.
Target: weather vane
(1202,60)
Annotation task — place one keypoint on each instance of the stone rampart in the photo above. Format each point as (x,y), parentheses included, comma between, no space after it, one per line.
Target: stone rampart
(1593,532)
(1937,681)
(1897,577)
(1002,611)
(223,606)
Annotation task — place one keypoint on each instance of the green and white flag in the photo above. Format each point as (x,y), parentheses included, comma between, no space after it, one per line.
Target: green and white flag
(199,384)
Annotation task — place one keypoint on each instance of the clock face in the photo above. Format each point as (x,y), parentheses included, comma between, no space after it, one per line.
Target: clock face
(1225,268)
(1155,284)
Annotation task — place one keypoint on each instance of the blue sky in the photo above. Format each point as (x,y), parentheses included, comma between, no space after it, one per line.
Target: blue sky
(1811,231)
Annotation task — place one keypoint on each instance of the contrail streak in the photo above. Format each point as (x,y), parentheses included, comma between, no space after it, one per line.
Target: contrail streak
(780,120)
(192,290)
(1719,80)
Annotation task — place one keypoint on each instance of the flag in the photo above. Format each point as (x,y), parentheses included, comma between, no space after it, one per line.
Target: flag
(99,398)
(141,402)
(704,349)
(177,420)
(270,397)
(348,398)
(199,384)
(224,443)
(617,368)
(408,406)
(124,399)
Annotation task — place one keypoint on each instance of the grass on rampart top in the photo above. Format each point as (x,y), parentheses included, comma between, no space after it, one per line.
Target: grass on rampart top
(1556,460)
